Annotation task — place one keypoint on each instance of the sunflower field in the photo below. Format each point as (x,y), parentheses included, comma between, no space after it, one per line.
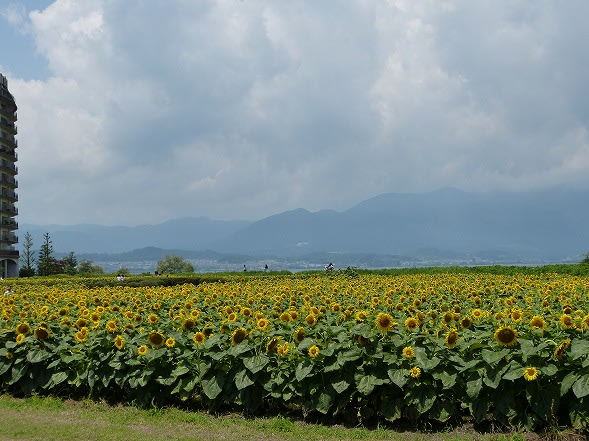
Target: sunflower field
(509,349)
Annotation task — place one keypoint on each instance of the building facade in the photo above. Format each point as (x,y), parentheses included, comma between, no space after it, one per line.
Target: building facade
(8,183)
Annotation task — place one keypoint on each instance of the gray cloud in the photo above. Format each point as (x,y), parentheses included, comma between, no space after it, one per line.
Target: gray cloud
(245,109)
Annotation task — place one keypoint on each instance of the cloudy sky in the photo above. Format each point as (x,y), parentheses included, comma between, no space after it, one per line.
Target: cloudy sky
(136,111)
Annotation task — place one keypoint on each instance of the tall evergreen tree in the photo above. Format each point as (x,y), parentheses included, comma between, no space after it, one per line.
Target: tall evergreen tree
(70,264)
(46,261)
(27,257)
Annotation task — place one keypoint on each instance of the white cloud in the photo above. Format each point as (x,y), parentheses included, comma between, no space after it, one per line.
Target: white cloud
(244,109)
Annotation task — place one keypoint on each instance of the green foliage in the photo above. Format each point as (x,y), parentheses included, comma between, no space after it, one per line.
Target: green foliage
(585,260)
(174,265)
(27,257)
(70,264)
(343,366)
(87,267)
(47,264)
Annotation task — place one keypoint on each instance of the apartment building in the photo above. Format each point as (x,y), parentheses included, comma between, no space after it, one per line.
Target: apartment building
(8,183)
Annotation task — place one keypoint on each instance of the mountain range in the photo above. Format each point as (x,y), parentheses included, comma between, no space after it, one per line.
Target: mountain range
(447,225)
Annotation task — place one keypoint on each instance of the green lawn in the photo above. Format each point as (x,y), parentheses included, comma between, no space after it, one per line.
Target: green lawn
(45,419)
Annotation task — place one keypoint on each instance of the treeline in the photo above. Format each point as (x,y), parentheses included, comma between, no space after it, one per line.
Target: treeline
(44,262)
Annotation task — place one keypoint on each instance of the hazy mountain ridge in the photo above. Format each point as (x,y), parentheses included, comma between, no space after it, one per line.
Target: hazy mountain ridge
(448,225)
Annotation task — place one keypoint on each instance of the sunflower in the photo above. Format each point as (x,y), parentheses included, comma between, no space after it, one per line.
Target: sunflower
(285,316)
(516,315)
(9,355)
(42,333)
(199,338)
(80,323)
(466,322)
(384,322)
(313,351)
(170,342)
(531,373)
(451,338)
(272,344)
(232,317)
(299,335)
(361,316)
(506,336)
(283,349)
(142,350)
(263,324)
(408,352)
(23,328)
(566,321)
(156,339)
(415,372)
(537,322)
(361,340)
(81,336)
(20,339)
(246,312)
(111,326)
(188,324)
(311,319)
(153,319)
(477,313)
(238,336)
(411,323)
(561,349)
(119,342)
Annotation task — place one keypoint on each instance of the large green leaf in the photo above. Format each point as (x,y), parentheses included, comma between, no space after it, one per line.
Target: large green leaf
(448,380)
(323,402)
(581,386)
(398,376)
(493,357)
(18,372)
(473,387)
(340,386)
(213,385)
(567,382)
(239,349)
(442,410)
(58,378)
(37,355)
(367,384)
(256,363)
(579,348)
(425,363)
(424,399)
(392,409)
(303,370)
(243,380)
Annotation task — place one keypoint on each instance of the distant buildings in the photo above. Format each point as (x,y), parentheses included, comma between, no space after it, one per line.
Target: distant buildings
(8,183)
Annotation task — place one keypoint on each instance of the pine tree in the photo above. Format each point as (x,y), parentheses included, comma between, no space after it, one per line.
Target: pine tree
(46,261)
(27,257)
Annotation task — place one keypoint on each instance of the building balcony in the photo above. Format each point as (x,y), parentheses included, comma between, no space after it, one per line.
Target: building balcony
(8,126)
(8,194)
(9,180)
(9,224)
(7,151)
(9,253)
(8,166)
(9,210)
(8,238)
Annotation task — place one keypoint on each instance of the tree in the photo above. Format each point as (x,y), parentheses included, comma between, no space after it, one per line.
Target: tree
(174,265)
(46,261)
(70,264)
(27,257)
(88,267)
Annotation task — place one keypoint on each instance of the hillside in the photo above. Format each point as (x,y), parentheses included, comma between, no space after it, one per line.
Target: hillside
(448,225)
